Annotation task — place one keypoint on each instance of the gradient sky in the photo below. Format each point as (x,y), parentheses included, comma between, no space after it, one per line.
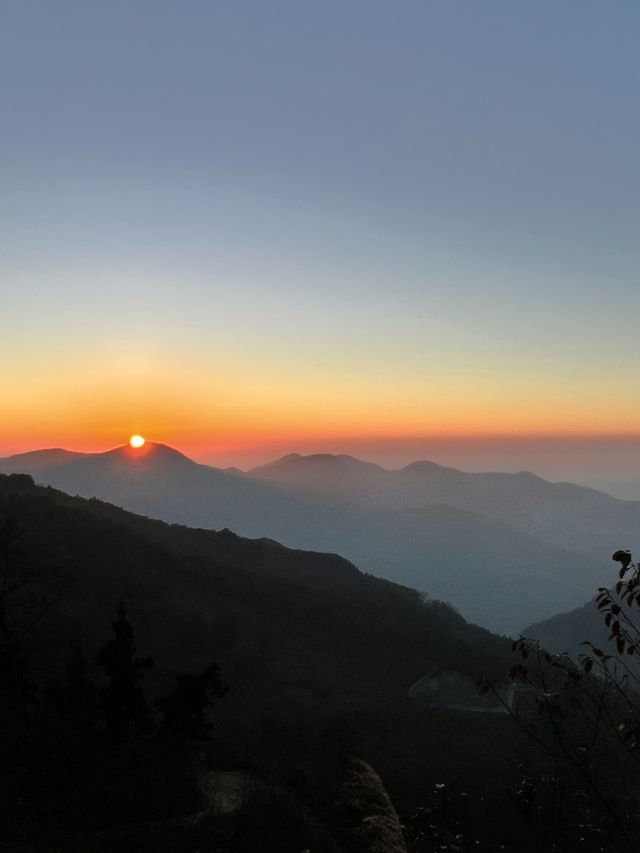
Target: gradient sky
(242,225)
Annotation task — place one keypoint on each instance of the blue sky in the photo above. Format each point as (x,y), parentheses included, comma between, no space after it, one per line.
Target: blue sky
(390,200)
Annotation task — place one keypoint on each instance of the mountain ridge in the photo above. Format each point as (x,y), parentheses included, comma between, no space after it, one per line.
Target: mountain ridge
(302,606)
(505,549)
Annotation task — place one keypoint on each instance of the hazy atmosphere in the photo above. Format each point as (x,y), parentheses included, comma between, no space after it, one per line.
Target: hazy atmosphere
(319,426)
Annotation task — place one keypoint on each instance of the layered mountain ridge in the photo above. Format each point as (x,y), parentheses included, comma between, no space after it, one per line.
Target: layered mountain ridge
(505,549)
(275,614)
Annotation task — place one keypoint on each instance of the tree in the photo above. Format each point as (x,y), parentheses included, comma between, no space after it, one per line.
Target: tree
(586,712)
(185,708)
(28,591)
(123,700)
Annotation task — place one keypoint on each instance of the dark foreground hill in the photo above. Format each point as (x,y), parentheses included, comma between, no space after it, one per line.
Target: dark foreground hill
(317,744)
(294,617)
(318,658)
(503,549)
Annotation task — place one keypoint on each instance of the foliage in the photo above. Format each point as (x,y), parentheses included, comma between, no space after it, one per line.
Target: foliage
(123,700)
(185,709)
(586,712)
(365,813)
(28,591)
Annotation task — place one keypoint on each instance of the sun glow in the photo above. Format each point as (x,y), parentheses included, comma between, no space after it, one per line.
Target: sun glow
(136,441)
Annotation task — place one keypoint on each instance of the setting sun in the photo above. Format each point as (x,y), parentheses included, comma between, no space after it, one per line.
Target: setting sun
(136,441)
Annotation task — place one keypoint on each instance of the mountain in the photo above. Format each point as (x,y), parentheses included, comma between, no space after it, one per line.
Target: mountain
(35,461)
(323,473)
(570,516)
(583,523)
(280,616)
(627,488)
(318,659)
(321,662)
(497,575)
(576,518)
(159,481)
(565,632)
(505,549)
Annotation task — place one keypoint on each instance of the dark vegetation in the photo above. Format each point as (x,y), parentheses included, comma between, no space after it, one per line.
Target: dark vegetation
(171,689)
(584,711)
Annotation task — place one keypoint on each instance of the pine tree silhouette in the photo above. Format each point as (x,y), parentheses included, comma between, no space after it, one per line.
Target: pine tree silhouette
(123,700)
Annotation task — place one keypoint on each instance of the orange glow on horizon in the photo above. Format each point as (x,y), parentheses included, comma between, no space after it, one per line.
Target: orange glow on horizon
(232,414)
(246,410)
(229,445)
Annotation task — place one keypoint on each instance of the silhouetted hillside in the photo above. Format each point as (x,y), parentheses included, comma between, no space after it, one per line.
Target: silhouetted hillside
(567,632)
(497,546)
(293,617)
(318,657)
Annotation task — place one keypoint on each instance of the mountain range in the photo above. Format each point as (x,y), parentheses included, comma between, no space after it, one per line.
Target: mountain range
(271,615)
(505,549)
(319,662)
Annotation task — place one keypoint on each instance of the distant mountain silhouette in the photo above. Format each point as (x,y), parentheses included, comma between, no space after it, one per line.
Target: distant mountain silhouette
(573,517)
(570,516)
(161,482)
(35,461)
(321,472)
(506,549)
(565,632)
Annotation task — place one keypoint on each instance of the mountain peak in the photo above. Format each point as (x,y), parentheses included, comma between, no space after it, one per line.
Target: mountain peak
(149,448)
(34,461)
(151,455)
(426,466)
(275,465)
(316,460)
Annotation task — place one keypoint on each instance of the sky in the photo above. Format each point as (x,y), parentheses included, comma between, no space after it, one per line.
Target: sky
(248,227)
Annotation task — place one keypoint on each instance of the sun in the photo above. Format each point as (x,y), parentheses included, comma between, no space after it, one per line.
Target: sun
(136,441)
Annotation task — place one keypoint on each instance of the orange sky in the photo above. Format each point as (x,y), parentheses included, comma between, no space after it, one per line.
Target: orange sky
(569,426)
(206,415)
(268,258)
